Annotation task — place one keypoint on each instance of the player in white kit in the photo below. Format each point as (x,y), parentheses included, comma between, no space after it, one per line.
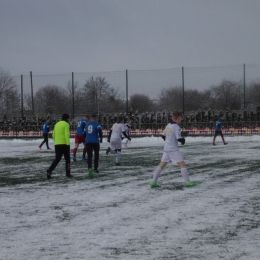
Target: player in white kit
(172,135)
(115,139)
(128,127)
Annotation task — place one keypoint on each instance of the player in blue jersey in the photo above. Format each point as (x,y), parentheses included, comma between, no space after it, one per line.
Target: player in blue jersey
(93,139)
(80,138)
(45,134)
(218,130)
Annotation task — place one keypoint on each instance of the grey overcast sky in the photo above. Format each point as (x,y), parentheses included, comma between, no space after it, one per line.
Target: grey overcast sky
(56,36)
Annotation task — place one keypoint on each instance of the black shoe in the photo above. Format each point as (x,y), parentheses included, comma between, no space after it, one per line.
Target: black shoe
(96,170)
(225,143)
(108,150)
(117,164)
(214,144)
(48,174)
(69,175)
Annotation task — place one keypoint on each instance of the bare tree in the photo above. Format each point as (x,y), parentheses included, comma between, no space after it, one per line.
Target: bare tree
(227,95)
(9,96)
(170,99)
(253,94)
(141,103)
(52,99)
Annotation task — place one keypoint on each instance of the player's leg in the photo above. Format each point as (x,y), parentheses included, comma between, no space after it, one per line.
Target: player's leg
(42,143)
(58,156)
(84,152)
(89,147)
(46,139)
(185,174)
(214,138)
(222,137)
(66,152)
(96,148)
(75,148)
(165,159)
(118,146)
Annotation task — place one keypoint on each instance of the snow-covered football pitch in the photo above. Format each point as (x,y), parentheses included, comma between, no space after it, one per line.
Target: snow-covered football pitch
(116,215)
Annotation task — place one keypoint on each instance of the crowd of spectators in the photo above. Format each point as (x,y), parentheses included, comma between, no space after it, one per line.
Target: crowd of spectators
(203,118)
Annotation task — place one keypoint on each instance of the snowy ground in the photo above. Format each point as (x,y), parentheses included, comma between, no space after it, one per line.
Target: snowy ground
(116,215)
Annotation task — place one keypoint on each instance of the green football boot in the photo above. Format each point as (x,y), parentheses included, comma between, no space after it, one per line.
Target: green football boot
(191,184)
(154,185)
(90,173)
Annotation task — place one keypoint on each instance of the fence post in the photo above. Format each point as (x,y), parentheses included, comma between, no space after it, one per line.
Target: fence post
(183,92)
(126,92)
(32,92)
(72,91)
(22,96)
(244,70)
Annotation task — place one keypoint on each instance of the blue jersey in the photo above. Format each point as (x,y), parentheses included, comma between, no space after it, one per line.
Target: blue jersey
(46,128)
(218,125)
(92,129)
(81,127)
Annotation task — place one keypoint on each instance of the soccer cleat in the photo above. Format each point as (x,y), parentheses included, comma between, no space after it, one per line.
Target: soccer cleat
(40,147)
(154,185)
(191,184)
(214,144)
(90,173)
(225,143)
(117,164)
(96,170)
(74,158)
(84,158)
(108,150)
(69,175)
(49,148)
(48,174)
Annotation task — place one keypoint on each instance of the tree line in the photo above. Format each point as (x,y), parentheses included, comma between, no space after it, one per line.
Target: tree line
(98,96)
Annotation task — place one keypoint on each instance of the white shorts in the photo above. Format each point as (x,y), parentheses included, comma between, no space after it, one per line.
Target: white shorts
(115,144)
(175,157)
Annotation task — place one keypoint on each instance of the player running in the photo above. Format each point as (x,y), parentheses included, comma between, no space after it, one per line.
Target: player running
(80,138)
(114,138)
(93,139)
(128,127)
(172,135)
(218,130)
(45,133)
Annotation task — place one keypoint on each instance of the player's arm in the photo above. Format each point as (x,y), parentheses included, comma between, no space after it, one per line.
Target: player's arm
(164,134)
(127,136)
(179,137)
(163,137)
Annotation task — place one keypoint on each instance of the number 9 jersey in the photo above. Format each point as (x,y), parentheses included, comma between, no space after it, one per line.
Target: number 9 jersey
(92,132)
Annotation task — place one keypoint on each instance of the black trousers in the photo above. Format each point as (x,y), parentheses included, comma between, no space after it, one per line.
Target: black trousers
(90,148)
(46,138)
(61,150)
(218,133)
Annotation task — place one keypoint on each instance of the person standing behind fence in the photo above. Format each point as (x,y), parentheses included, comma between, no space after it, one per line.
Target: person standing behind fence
(61,137)
(218,130)
(93,139)
(80,138)
(45,133)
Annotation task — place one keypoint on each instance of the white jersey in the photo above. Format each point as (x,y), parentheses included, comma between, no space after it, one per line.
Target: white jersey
(117,130)
(127,128)
(172,133)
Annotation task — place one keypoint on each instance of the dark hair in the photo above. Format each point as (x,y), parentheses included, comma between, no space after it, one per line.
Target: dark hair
(65,117)
(87,117)
(48,117)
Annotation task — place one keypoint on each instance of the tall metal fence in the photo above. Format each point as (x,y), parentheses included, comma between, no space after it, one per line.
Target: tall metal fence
(148,82)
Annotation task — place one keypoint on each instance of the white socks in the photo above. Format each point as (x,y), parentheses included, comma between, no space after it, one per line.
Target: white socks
(185,174)
(118,156)
(157,173)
